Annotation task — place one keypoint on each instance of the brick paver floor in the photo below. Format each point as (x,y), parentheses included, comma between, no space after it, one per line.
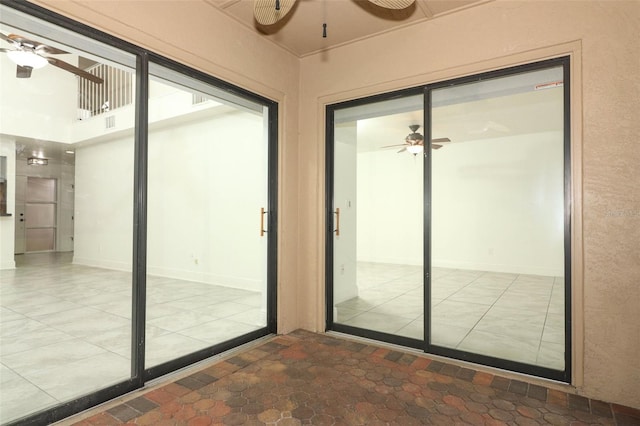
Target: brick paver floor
(307,378)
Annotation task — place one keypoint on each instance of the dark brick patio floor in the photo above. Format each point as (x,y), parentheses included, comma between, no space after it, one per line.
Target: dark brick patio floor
(306,378)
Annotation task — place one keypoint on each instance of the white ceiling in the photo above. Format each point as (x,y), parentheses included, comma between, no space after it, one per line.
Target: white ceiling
(300,31)
(470,122)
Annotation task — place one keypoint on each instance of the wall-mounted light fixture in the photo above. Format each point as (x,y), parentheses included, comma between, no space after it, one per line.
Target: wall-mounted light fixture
(34,161)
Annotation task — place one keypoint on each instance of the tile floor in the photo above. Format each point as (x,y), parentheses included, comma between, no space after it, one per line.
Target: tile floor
(510,316)
(60,321)
(305,378)
(65,329)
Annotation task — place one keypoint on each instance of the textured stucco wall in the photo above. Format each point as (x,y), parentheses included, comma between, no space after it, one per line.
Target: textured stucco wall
(602,39)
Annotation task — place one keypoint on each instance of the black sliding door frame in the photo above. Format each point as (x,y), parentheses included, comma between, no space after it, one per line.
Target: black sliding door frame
(425,345)
(331,224)
(139,373)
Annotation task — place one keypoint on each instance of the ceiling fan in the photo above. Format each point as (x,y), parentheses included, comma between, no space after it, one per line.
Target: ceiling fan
(414,142)
(269,12)
(29,55)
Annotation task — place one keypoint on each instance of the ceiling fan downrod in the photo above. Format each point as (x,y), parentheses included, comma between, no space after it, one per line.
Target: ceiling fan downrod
(324,30)
(277,4)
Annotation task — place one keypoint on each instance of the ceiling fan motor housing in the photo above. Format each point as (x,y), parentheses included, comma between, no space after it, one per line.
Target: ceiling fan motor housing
(414,138)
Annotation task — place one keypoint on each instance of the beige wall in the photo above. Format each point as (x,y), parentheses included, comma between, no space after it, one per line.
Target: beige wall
(601,38)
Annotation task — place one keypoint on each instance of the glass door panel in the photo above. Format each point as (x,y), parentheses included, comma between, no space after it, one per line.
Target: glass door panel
(207,254)
(378,217)
(497,218)
(68,334)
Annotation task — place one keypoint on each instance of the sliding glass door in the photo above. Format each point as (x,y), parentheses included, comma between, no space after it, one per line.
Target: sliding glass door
(207,253)
(459,246)
(377,233)
(66,308)
(497,218)
(147,193)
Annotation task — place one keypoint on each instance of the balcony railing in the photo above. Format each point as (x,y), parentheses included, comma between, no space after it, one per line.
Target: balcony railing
(115,92)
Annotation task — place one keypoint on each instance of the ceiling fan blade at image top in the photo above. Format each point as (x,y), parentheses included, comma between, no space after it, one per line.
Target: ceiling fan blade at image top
(75,70)
(402,150)
(435,146)
(269,12)
(393,4)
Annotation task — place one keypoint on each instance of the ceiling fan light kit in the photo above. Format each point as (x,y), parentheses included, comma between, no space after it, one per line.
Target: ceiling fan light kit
(415,149)
(25,58)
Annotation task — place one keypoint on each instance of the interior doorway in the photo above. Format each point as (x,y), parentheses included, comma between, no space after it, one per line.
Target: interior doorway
(44,197)
(40,215)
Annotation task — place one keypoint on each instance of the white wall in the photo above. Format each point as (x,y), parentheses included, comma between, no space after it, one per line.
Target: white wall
(104,204)
(497,206)
(40,107)
(390,210)
(345,198)
(207,182)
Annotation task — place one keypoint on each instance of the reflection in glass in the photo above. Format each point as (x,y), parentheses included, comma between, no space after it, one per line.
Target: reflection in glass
(65,314)
(378,255)
(497,219)
(206,279)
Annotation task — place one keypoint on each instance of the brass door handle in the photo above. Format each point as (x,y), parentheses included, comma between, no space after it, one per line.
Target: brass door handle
(262,213)
(337,213)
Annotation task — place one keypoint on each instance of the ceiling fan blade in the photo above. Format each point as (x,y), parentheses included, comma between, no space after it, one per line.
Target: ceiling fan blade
(435,146)
(402,150)
(36,45)
(43,48)
(391,146)
(268,12)
(7,39)
(2,49)
(75,70)
(440,140)
(393,4)
(23,72)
